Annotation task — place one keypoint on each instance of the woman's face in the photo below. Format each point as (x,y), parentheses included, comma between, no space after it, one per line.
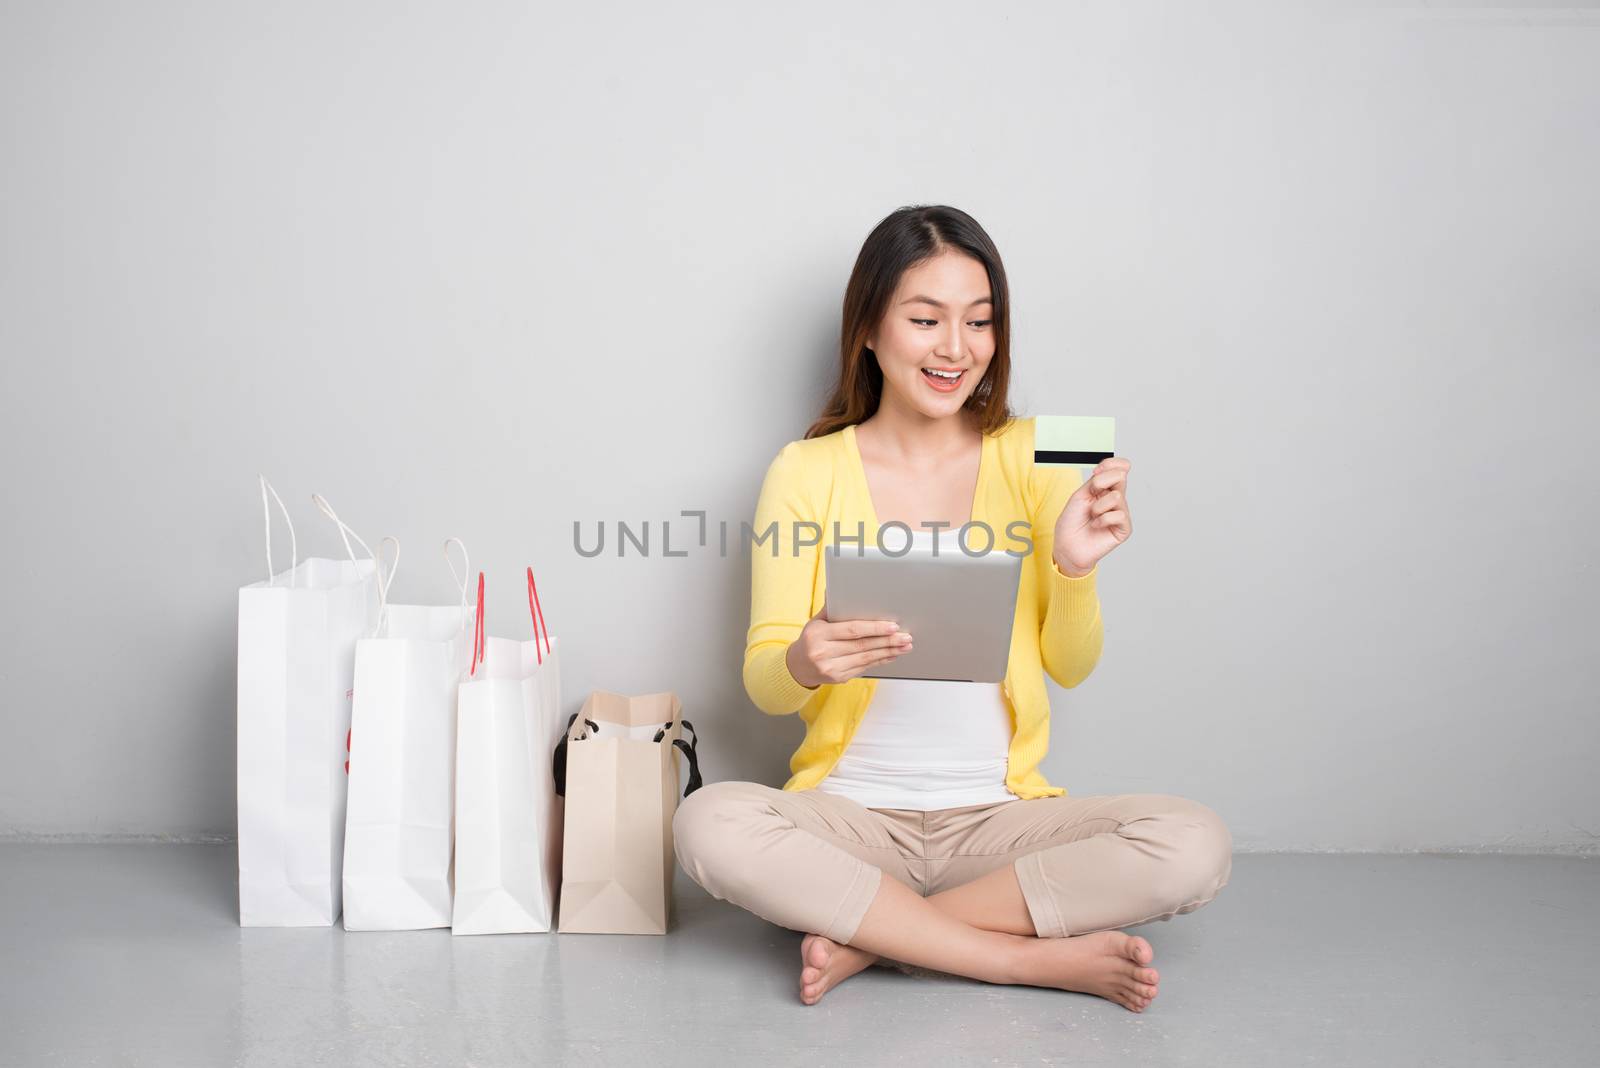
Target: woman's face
(938,321)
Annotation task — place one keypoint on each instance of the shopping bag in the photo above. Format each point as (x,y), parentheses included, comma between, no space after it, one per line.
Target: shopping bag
(399,826)
(617,768)
(297,636)
(508,819)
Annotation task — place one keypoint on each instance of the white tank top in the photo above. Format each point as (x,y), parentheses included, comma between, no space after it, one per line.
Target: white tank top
(926,744)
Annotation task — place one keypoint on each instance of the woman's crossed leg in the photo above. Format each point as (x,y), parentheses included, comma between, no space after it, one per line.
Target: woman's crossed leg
(1028,892)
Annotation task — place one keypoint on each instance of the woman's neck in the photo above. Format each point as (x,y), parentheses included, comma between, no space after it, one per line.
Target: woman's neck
(908,437)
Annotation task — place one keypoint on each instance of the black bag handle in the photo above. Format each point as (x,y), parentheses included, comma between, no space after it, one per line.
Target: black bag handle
(559,761)
(689,750)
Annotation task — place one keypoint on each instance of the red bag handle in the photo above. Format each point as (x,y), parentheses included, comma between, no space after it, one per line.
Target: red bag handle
(478,642)
(537,612)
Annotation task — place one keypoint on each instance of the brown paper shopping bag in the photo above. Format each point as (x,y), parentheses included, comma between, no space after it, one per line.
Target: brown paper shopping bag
(618,769)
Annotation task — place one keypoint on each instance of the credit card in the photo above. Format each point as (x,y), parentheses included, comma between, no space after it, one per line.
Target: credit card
(1073,440)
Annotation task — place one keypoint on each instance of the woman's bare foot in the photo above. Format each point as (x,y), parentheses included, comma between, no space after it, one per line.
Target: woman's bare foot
(824,964)
(1111,964)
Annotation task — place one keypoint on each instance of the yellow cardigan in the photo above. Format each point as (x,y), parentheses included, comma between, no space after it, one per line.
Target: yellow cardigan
(821,480)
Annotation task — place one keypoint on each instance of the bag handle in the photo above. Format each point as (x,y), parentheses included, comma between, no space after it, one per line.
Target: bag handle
(478,642)
(691,749)
(558,764)
(266,514)
(377,564)
(537,612)
(384,582)
(463,577)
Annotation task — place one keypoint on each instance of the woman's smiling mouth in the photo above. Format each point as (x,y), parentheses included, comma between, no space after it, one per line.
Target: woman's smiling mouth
(943,381)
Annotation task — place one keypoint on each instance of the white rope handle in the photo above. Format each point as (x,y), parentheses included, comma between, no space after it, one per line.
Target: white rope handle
(346,533)
(266,516)
(389,581)
(463,577)
(385,582)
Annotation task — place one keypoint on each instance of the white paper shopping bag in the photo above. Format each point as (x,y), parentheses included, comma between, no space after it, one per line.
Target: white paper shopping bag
(399,828)
(508,819)
(297,636)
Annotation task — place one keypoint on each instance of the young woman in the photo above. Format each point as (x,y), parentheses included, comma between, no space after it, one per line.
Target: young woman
(916,826)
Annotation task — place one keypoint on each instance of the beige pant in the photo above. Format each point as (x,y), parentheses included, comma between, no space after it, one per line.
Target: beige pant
(811,861)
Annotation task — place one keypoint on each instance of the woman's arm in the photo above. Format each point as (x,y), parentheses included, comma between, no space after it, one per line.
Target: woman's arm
(780,587)
(1071,634)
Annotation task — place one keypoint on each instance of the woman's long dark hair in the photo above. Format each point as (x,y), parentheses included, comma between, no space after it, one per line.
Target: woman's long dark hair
(901,241)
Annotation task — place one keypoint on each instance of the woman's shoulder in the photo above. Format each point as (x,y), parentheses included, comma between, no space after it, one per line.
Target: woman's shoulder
(811,454)
(802,471)
(1016,435)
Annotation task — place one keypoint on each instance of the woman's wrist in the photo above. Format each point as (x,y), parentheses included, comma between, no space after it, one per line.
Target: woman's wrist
(1067,569)
(788,662)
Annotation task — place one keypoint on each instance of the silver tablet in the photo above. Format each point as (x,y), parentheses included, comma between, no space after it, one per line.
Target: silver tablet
(958,608)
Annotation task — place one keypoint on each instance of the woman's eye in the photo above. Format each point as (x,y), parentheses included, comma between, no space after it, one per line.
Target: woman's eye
(980,322)
(920,322)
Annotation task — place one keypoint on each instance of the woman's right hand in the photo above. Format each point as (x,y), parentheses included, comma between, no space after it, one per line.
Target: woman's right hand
(833,652)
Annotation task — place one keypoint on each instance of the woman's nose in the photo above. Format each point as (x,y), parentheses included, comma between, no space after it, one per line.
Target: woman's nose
(952,342)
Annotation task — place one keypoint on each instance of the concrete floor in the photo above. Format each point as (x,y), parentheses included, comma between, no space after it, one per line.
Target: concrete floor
(132,954)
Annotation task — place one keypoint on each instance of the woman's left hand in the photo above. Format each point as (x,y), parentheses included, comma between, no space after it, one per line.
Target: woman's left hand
(1095,518)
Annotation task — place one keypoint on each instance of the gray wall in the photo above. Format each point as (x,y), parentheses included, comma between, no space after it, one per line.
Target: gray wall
(484,270)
